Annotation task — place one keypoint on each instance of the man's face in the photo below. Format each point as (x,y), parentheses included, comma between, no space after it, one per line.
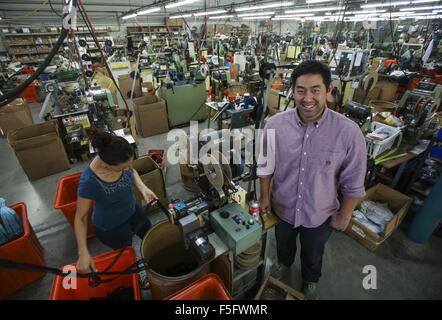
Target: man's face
(310,96)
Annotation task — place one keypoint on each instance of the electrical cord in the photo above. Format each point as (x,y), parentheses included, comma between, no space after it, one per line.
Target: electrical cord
(53,10)
(11,95)
(88,23)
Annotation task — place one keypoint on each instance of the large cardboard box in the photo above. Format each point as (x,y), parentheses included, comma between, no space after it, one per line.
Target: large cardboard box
(397,202)
(39,150)
(15,115)
(152,176)
(150,115)
(273,102)
(388,90)
(174,22)
(125,84)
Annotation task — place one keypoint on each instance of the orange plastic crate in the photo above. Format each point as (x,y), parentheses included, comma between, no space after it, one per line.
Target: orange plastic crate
(86,292)
(209,287)
(25,249)
(66,200)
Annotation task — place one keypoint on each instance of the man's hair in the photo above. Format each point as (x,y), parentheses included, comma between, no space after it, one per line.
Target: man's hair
(312,67)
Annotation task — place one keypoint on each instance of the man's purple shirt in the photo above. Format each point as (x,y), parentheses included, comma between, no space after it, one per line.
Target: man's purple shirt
(309,163)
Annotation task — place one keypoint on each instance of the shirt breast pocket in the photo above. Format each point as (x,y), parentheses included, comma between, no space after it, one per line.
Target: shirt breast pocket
(327,161)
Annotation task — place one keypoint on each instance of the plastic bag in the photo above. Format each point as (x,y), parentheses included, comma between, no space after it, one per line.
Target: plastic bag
(376,212)
(11,223)
(362,219)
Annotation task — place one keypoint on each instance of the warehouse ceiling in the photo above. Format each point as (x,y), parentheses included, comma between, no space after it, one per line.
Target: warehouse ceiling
(110,12)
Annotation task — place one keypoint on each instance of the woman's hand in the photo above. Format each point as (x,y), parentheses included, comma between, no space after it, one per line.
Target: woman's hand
(85,263)
(148,195)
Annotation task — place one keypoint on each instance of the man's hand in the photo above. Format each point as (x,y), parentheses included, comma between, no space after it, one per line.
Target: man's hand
(264,204)
(148,195)
(340,221)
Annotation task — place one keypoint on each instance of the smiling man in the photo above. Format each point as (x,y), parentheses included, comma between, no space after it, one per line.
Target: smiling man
(313,153)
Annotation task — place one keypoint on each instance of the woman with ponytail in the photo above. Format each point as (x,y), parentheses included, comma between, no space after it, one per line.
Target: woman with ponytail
(107,182)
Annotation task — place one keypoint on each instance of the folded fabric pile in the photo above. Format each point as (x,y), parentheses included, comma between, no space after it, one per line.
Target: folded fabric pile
(373,215)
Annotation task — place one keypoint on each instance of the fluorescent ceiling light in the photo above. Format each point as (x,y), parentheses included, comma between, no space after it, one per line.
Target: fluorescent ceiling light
(148,11)
(222,17)
(295,15)
(180,16)
(318,1)
(420,14)
(288,18)
(369,11)
(421,8)
(179,3)
(426,17)
(313,10)
(424,1)
(367,15)
(386,4)
(256,14)
(129,16)
(394,14)
(265,6)
(208,13)
(256,18)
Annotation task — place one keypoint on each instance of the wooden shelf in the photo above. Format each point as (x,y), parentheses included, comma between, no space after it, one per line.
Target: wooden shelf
(47,33)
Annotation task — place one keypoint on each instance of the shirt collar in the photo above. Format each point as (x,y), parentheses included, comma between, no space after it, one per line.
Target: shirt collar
(316,123)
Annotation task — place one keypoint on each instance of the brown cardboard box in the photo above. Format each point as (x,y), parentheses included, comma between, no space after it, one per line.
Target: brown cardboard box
(174,22)
(234,71)
(39,150)
(388,90)
(150,115)
(398,203)
(152,176)
(273,102)
(125,84)
(163,164)
(14,116)
(147,88)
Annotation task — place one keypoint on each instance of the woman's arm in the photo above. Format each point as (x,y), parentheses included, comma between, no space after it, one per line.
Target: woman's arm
(148,194)
(85,262)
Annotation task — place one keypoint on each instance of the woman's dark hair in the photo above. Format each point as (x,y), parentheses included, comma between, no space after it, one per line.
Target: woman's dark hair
(312,67)
(112,149)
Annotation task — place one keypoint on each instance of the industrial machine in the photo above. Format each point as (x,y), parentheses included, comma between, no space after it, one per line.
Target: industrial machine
(76,111)
(214,208)
(417,108)
(349,63)
(359,113)
(185,101)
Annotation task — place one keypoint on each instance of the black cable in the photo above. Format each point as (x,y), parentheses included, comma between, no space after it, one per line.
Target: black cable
(85,17)
(53,10)
(11,95)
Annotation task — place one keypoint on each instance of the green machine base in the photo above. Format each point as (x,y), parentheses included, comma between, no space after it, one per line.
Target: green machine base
(185,102)
(235,227)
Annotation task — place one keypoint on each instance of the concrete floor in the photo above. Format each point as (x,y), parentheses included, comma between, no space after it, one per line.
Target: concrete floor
(405,270)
